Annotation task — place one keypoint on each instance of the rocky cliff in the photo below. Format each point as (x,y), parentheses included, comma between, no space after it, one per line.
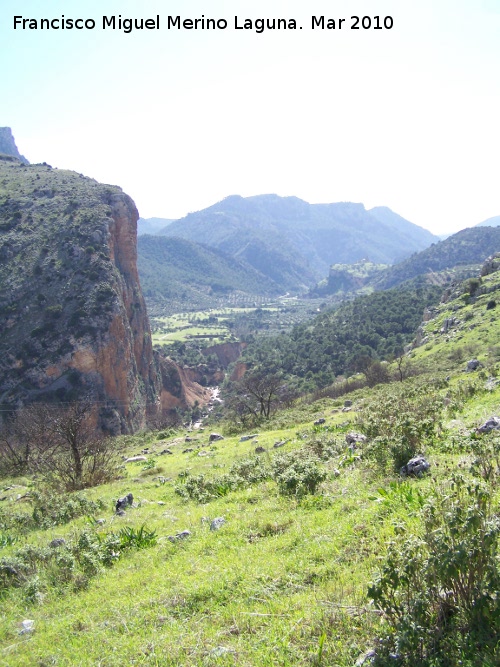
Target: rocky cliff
(72,314)
(8,145)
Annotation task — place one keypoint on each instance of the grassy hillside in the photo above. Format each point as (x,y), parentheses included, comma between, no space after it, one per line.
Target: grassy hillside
(195,276)
(327,556)
(296,242)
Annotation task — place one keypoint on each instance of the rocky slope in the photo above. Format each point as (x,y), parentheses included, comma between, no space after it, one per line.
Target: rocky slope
(72,314)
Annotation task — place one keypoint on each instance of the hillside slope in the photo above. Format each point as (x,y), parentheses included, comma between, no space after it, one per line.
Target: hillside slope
(467,248)
(190,274)
(285,236)
(283,544)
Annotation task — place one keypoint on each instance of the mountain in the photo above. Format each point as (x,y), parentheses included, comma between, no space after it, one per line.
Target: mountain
(8,144)
(398,224)
(72,314)
(151,225)
(463,249)
(191,274)
(294,242)
(490,222)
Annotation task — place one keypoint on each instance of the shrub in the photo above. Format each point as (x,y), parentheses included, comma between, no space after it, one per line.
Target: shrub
(53,510)
(297,475)
(241,474)
(438,589)
(401,421)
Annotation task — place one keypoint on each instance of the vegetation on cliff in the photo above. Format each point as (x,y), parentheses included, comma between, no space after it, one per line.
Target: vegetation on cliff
(72,315)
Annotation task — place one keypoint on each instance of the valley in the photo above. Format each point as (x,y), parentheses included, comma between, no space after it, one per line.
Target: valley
(272,439)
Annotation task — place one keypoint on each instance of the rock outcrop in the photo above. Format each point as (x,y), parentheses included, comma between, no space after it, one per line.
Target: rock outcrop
(72,314)
(226,353)
(8,145)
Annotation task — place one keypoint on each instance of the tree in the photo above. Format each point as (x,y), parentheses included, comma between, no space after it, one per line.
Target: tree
(63,444)
(255,395)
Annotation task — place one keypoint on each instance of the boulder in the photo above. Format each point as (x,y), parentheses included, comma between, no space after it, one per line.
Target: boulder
(213,437)
(123,503)
(260,450)
(415,466)
(27,627)
(133,459)
(319,421)
(472,365)
(217,523)
(355,439)
(179,536)
(244,438)
(491,424)
(57,542)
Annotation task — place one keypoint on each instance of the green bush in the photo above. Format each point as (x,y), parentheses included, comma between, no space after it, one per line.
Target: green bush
(54,510)
(402,420)
(297,475)
(241,474)
(439,588)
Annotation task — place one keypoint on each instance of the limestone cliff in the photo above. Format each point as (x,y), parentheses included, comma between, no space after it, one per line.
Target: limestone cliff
(8,145)
(72,314)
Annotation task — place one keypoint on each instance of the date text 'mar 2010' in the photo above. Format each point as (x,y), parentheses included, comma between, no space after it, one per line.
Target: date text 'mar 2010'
(357,23)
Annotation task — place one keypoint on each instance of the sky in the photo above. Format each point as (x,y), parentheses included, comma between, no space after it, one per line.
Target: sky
(407,117)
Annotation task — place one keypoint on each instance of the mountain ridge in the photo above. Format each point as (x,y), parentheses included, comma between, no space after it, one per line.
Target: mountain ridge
(269,231)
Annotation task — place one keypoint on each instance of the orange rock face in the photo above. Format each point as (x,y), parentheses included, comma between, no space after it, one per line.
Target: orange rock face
(72,315)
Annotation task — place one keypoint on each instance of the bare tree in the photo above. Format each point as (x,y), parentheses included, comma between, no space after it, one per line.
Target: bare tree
(255,395)
(61,443)
(26,439)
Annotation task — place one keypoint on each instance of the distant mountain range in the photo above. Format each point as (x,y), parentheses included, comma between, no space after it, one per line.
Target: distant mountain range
(293,243)
(8,145)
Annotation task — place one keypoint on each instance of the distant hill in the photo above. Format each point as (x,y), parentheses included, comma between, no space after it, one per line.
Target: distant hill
(294,243)
(373,326)
(192,275)
(490,222)
(465,248)
(151,225)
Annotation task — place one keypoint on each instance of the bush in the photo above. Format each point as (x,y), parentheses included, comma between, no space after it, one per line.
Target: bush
(401,421)
(438,589)
(74,563)
(297,475)
(241,474)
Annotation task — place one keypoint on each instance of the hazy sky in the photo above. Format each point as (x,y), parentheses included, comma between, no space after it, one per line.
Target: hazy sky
(407,118)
